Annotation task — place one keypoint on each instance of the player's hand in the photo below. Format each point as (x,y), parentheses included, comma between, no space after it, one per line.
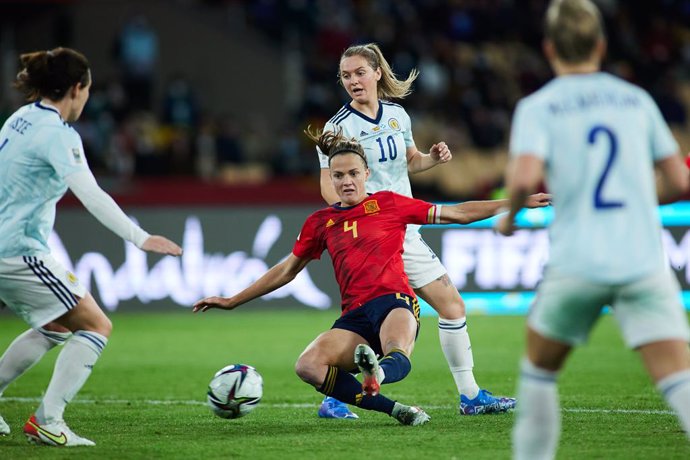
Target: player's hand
(223,303)
(538,200)
(505,225)
(440,153)
(161,245)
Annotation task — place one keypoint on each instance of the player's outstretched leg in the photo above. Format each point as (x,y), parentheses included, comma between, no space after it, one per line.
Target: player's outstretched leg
(4,427)
(368,364)
(53,434)
(332,408)
(345,387)
(393,367)
(410,415)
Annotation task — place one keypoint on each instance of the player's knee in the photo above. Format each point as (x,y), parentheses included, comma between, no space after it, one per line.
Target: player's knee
(451,310)
(106,327)
(103,326)
(307,370)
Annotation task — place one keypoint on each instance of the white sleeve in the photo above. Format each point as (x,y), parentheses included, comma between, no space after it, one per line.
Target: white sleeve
(323,157)
(104,208)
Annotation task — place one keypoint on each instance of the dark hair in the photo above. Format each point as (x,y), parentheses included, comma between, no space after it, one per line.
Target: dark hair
(574,27)
(51,73)
(335,143)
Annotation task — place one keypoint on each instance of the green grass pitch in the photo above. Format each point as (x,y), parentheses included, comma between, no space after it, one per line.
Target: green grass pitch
(145,398)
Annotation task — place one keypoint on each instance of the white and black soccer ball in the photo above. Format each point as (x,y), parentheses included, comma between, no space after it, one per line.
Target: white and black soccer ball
(235,391)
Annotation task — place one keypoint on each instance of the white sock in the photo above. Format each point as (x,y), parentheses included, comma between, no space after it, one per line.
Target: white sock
(456,346)
(538,420)
(25,351)
(676,391)
(72,368)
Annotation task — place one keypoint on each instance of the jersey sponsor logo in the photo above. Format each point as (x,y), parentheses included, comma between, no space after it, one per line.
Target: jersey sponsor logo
(363,133)
(76,155)
(371,206)
(378,128)
(393,123)
(330,223)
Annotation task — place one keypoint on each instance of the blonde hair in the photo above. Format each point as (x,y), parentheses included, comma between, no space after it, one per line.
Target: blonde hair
(574,27)
(389,87)
(335,143)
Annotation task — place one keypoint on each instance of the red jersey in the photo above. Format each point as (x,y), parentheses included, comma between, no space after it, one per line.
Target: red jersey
(365,242)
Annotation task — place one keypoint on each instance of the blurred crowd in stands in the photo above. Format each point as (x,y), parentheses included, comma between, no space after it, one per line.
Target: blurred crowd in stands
(476,59)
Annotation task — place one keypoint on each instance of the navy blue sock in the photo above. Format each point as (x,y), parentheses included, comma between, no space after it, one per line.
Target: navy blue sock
(344,387)
(396,365)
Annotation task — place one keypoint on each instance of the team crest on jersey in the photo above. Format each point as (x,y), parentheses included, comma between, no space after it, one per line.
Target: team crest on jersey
(76,155)
(371,207)
(330,223)
(393,123)
(72,278)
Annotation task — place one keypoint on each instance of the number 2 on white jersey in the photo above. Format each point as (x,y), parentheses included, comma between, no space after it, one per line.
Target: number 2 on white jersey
(599,201)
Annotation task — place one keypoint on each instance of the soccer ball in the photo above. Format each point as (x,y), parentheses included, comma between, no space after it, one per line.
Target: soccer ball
(234,391)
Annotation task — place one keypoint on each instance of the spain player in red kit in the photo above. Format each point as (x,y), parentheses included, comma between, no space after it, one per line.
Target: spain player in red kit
(364,242)
(364,236)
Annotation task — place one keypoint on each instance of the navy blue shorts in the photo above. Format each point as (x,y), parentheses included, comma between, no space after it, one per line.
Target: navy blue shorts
(367,319)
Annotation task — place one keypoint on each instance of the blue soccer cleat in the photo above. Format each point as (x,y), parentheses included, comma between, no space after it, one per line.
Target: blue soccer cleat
(485,403)
(332,408)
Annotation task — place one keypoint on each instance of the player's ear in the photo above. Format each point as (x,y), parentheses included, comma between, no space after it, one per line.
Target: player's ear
(549,50)
(600,49)
(74,90)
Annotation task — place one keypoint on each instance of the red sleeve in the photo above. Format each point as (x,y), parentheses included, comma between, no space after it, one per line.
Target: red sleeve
(310,242)
(413,211)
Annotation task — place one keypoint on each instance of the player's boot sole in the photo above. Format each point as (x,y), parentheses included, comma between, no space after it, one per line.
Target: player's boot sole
(368,364)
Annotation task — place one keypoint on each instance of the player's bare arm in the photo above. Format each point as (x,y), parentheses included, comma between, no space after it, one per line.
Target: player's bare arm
(672,179)
(523,177)
(472,211)
(417,161)
(278,276)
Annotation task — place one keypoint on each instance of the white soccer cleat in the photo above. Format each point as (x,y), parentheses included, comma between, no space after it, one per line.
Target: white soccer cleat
(4,427)
(53,434)
(368,365)
(410,415)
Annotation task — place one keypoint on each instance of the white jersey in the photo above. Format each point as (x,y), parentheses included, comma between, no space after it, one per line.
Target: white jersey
(598,137)
(385,141)
(37,151)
